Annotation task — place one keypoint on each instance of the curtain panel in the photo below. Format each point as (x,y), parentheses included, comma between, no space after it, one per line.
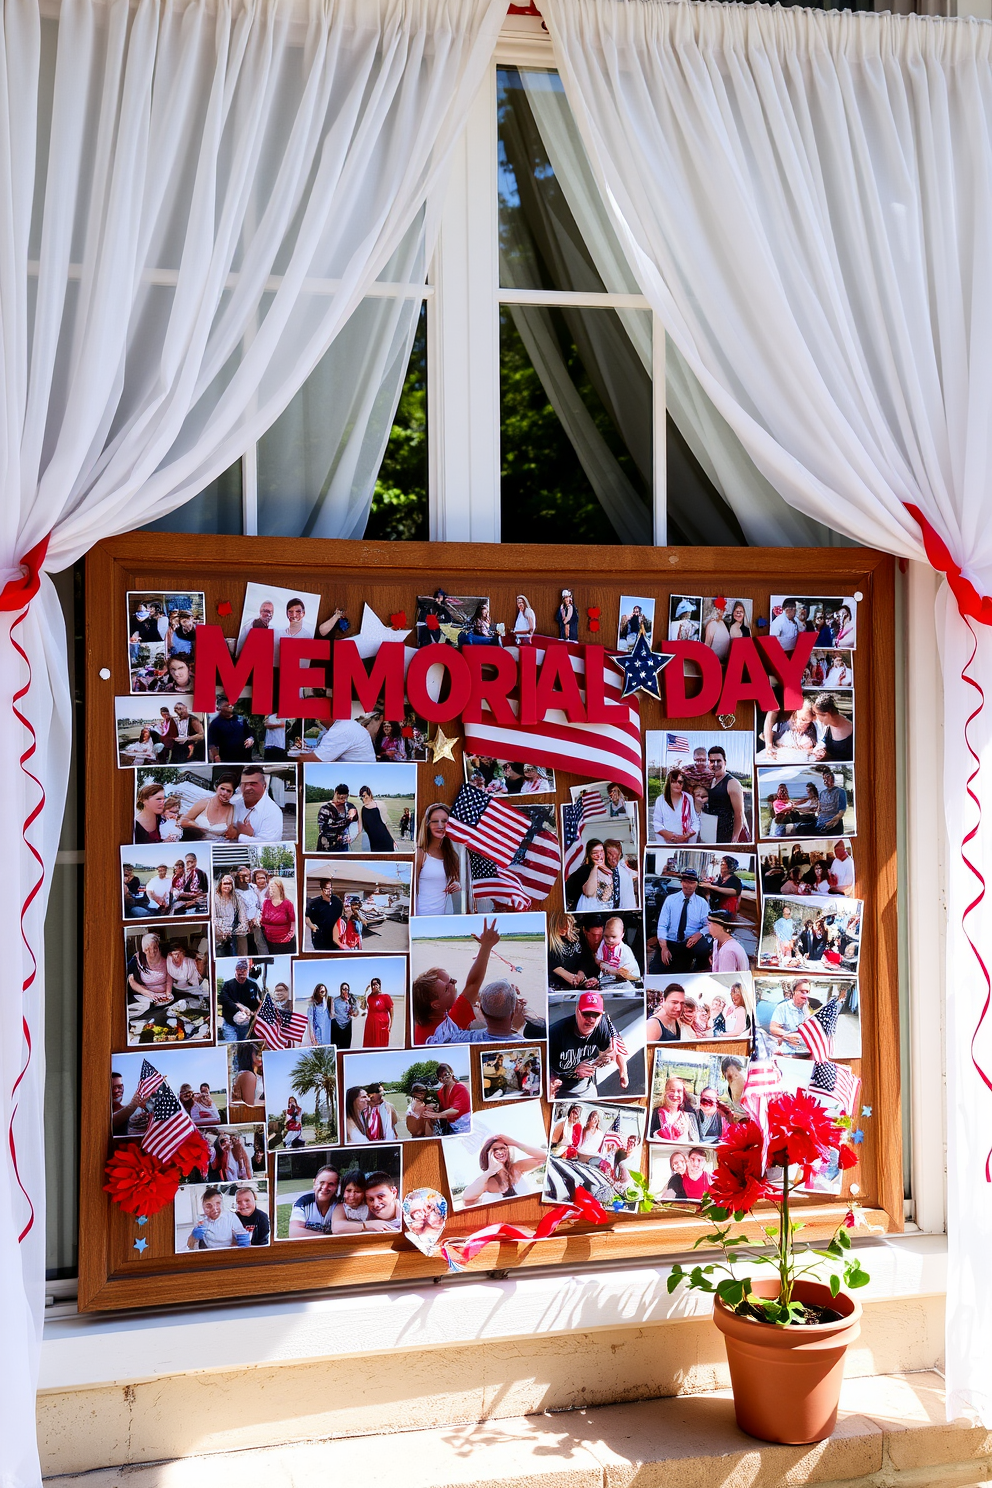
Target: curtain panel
(806,200)
(195,196)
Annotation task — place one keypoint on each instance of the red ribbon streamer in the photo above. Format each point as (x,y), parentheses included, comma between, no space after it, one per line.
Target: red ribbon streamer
(584,1206)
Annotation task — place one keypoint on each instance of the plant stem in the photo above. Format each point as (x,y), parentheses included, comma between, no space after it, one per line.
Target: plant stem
(785,1296)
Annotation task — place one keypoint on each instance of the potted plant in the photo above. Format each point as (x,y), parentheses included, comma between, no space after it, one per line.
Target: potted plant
(786,1335)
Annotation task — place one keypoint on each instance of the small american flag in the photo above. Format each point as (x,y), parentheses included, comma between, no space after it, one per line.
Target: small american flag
(533,871)
(149,1082)
(278,1029)
(677,744)
(839,1081)
(764,1080)
(487,826)
(593,805)
(818,1031)
(571,831)
(490,881)
(170,1126)
(617,1045)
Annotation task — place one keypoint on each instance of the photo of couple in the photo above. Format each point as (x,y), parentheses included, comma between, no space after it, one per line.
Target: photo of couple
(253,904)
(679,1175)
(822,728)
(478,979)
(352,1002)
(213,1216)
(324,1193)
(504,1157)
(596,1045)
(361,809)
(395,1096)
(786,1002)
(160,627)
(699,787)
(508,777)
(811,934)
(806,801)
(354,905)
(156,887)
(512,1075)
(820,866)
(282,611)
(597,1148)
(700,1006)
(150,732)
(832,621)
(197,1077)
(695,1097)
(167,981)
(195,803)
(607,875)
(301,1097)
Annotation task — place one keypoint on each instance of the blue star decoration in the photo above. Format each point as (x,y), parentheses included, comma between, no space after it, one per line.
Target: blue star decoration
(866,1110)
(142,1219)
(642,669)
(858,1137)
(438,779)
(139,1245)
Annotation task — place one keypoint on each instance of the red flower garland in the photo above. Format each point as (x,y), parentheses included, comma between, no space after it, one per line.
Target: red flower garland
(139,1183)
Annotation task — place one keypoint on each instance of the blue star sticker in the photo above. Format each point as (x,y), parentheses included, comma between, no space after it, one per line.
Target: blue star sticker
(642,669)
(438,779)
(142,1219)
(139,1245)
(858,1137)
(866,1110)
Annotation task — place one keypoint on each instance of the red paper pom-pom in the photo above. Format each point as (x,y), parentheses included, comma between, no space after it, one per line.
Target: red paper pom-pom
(593,624)
(847,1156)
(719,603)
(139,1183)
(225,607)
(194,1153)
(407,732)
(432,622)
(398,621)
(594,613)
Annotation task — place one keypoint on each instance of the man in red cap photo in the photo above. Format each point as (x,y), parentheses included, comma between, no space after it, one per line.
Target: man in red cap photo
(577,1044)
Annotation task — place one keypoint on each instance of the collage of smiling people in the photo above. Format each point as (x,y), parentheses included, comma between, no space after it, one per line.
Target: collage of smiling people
(324,960)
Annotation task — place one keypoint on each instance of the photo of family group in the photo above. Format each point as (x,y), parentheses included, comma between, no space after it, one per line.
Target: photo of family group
(283,611)
(243,983)
(596,1044)
(301,1097)
(197,1077)
(197,803)
(510,1075)
(820,729)
(820,865)
(360,809)
(392,1095)
(253,903)
(356,905)
(234,1154)
(785,1003)
(827,1177)
(595,952)
(156,886)
(151,732)
(699,883)
(161,629)
(446,619)
(220,1216)
(477,979)
(324,1193)
(597,1148)
(699,787)
(237,736)
(352,1001)
(830,670)
(636,619)
(833,621)
(806,801)
(701,1005)
(695,1097)
(167,980)
(508,777)
(606,871)
(504,1157)
(811,934)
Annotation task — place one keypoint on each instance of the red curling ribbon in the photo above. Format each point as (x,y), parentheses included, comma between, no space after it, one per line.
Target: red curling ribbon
(458,1253)
(972,605)
(22,590)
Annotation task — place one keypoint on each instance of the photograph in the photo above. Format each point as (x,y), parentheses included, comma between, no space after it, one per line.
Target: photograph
(283,611)
(636,619)
(394,1095)
(425,1214)
(220,1216)
(699,787)
(725,619)
(820,731)
(589,952)
(237,736)
(810,934)
(246,1083)
(161,627)
(512,1076)
(685,617)
(158,882)
(253,899)
(478,979)
(352,1002)
(829,670)
(709,880)
(596,1044)
(695,1096)
(197,1077)
(828,1177)
(821,865)
(445,619)
(699,1005)
(242,983)
(601,865)
(236,1154)
(359,808)
(223,803)
(301,1097)
(151,732)
(806,801)
(167,977)
(504,1157)
(678,1175)
(596,1148)
(508,777)
(786,1002)
(323,1192)
(350,904)
(602,798)
(833,621)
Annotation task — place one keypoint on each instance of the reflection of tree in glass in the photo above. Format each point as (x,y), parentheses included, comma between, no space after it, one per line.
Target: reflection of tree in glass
(316,1074)
(399,503)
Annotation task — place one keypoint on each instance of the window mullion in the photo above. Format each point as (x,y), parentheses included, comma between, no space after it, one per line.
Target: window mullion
(659,404)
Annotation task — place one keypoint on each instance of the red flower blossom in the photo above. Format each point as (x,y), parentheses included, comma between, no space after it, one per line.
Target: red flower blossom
(139,1183)
(738,1183)
(801,1133)
(432,622)
(848,1157)
(194,1153)
(849,1220)
(225,607)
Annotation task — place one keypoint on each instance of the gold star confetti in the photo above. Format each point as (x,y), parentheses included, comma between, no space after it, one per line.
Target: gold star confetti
(441,746)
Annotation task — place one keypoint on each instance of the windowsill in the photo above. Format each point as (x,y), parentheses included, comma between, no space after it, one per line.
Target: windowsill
(89,1351)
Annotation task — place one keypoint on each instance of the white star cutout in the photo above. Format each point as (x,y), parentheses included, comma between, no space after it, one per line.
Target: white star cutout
(373,633)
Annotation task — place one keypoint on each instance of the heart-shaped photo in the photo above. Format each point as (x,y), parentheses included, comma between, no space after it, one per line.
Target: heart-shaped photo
(726,720)
(425,1214)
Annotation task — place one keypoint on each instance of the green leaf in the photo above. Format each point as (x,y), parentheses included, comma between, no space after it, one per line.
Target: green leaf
(843,1239)
(673,1282)
(834,1284)
(731,1291)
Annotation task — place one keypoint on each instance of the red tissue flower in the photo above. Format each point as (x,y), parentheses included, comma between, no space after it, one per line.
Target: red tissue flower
(432,622)
(801,1133)
(719,603)
(593,624)
(194,1153)
(594,613)
(139,1183)
(737,1183)
(225,607)
(398,621)
(847,1156)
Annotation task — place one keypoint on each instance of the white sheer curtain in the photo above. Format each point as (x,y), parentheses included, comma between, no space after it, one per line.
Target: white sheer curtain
(195,195)
(806,199)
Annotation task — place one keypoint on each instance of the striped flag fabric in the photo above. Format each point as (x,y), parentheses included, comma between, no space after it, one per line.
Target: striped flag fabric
(490,881)
(593,805)
(170,1126)
(278,1029)
(610,751)
(764,1080)
(533,870)
(617,1045)
(571,831)
(839,1081)
(487,826)
(818,1031)
(149,1082)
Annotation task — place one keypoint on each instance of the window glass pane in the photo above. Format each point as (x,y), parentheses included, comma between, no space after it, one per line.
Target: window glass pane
(575,425)
(217,508)
(399,501)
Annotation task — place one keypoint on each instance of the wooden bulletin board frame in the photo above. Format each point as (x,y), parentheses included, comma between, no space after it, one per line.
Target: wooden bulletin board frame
(111,1273)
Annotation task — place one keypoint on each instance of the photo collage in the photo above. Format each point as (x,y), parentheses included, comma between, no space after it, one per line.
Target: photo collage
(325,961)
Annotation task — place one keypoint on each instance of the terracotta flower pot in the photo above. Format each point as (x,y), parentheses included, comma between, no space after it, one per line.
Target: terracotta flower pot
(786,1381)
